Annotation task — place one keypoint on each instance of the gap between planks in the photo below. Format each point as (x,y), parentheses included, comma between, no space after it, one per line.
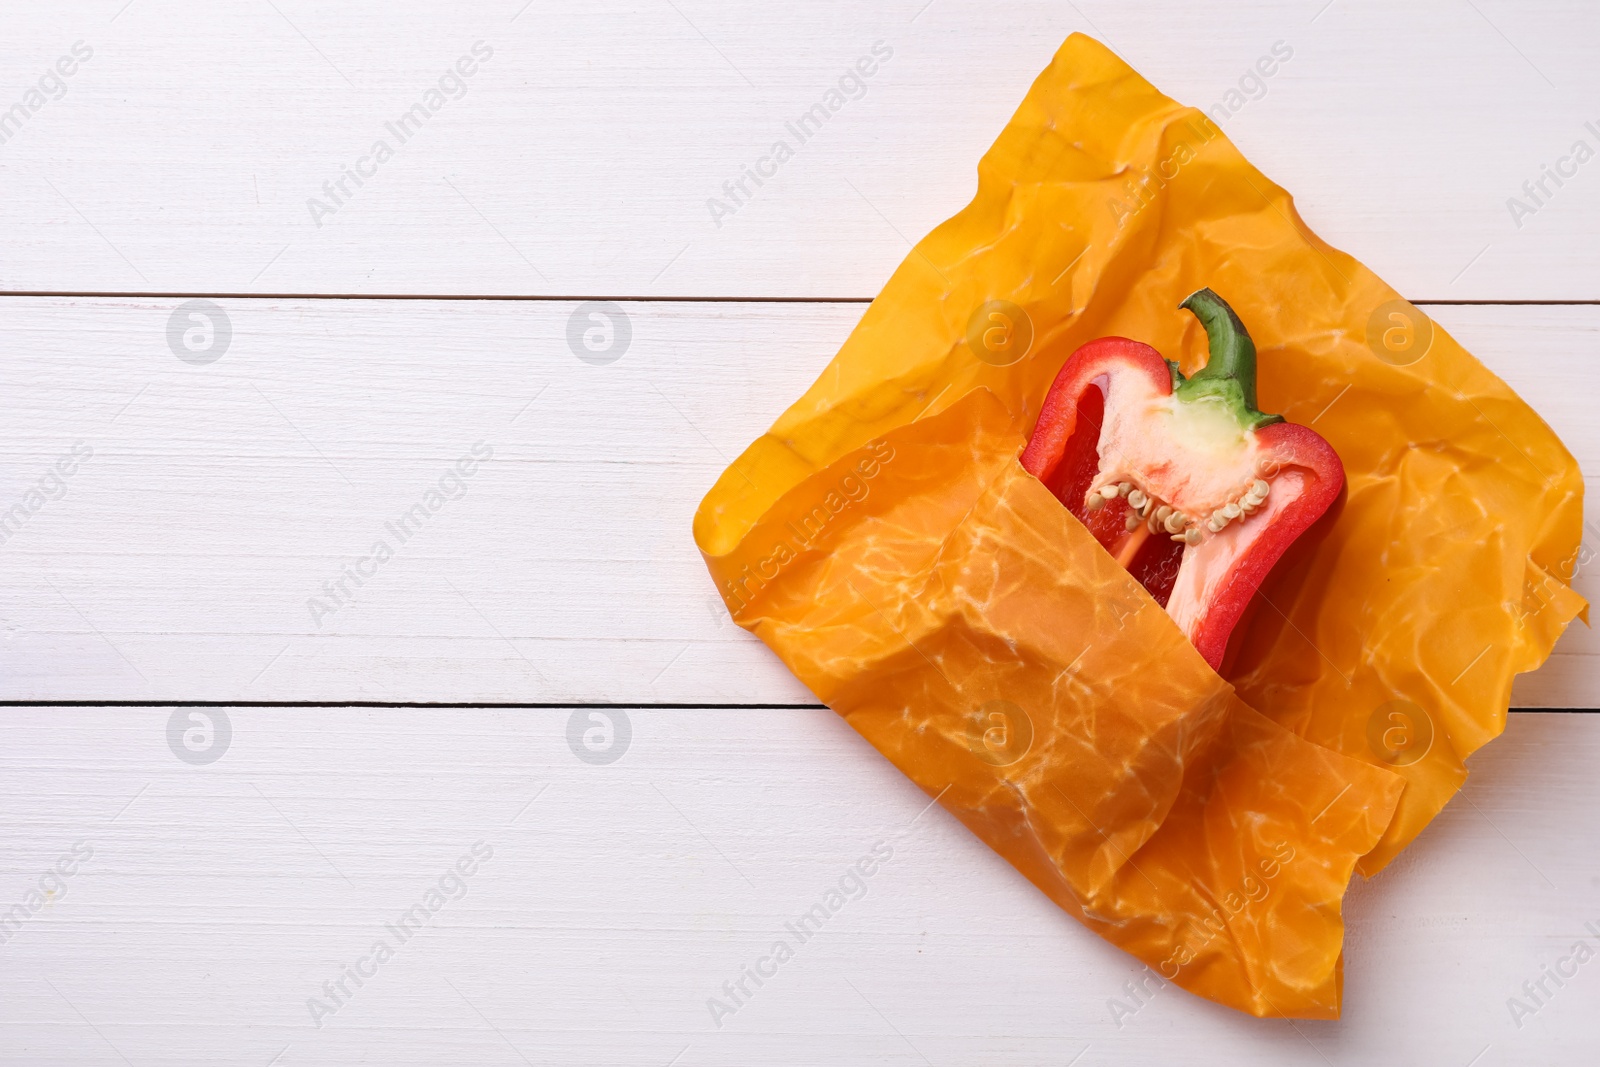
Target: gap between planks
(615,298)
(507,706)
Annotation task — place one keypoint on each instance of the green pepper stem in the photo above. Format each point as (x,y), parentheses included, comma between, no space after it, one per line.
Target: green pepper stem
(1232,363)
(1233,354)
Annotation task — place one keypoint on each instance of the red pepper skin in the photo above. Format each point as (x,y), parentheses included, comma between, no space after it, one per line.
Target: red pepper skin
(1059,416)
(1064,453)
(1298,446)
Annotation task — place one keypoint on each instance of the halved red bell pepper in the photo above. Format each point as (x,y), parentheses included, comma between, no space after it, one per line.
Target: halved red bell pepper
(1194,490)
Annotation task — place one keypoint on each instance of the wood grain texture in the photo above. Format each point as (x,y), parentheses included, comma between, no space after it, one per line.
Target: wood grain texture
(184,558)
(218,899)
(580,157)
(176,560)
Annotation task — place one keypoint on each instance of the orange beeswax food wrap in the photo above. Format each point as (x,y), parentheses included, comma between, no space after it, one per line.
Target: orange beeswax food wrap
(884,541)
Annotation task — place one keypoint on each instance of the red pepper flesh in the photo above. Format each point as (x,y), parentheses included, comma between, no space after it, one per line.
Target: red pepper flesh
(1195,491)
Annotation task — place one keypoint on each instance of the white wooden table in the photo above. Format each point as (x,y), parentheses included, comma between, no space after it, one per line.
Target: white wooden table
(361,346)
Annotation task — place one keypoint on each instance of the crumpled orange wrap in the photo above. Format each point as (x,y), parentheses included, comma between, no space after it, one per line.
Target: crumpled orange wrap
(884,541)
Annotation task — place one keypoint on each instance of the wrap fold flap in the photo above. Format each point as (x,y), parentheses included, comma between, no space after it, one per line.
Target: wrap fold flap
(884,541)
(941,600)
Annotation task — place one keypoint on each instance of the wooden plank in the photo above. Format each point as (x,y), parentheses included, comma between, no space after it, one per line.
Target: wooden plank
(184,154)
(219,898)
(184,557)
